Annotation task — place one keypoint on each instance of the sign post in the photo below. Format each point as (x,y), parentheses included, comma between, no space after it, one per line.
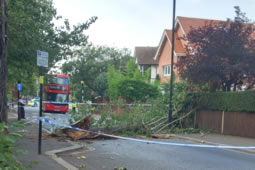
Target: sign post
(19,88)
(42,61)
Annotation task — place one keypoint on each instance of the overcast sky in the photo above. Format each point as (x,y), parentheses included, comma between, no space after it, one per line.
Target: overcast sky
(130,23)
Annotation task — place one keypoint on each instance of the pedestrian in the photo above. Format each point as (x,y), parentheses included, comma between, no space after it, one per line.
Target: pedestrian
(74,106)
(21,107)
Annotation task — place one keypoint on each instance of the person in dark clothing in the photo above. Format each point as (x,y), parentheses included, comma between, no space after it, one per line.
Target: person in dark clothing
(22,110)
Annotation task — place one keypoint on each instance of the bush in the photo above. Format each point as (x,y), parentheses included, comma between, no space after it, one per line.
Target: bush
(227,101)
(136,90)
(114,77)
(182,98)
(8,154)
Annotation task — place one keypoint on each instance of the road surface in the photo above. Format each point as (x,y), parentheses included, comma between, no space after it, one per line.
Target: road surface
(110,154)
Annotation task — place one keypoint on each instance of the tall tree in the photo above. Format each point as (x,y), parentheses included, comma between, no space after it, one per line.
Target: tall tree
(3,61)
(90,63)
(31,28)
(221,54)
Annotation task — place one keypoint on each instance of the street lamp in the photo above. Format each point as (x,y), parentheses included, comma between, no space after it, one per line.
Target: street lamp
(82,86)
(172,65)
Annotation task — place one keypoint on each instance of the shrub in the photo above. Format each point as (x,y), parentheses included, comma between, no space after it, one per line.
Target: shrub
(8,155)
(114,77)
(182,98)
(136,90)
(227,101)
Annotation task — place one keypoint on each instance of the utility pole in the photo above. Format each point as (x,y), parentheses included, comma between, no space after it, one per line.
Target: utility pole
(82,86)
(3,61)
(40,112)
(172,66)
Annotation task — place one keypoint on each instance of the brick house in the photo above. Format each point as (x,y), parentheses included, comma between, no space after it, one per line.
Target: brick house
(182,28)
(144,58)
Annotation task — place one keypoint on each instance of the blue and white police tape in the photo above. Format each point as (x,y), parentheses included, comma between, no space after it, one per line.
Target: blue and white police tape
(11,103)
(148,141)
(95,104)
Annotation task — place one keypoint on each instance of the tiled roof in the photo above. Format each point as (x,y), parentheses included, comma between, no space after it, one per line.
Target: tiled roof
(195,23)
(178,48)
(145,55)
(187,23)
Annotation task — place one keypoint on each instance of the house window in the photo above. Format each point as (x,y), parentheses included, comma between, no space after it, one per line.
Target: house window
(166,70)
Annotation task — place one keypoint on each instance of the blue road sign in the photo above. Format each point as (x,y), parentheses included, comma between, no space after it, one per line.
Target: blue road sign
(19,87)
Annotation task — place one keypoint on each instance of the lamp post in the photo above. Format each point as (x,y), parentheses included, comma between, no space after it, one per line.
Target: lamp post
(172,65)
(19,88)
(82,86)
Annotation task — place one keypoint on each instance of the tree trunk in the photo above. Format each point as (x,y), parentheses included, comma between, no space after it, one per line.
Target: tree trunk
(3,62)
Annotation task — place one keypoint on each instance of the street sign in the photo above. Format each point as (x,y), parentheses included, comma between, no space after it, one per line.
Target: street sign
(42,58)
(19,87)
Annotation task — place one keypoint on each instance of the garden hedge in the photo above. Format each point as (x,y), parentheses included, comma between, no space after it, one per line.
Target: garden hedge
(227,101)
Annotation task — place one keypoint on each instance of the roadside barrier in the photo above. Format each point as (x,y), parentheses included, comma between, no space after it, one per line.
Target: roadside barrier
(147,141)
(97,104)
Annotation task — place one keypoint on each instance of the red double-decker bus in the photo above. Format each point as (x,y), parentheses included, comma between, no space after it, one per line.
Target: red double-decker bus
(56,94)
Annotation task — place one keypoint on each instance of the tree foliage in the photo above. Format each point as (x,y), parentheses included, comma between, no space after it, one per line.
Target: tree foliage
(131,84)
(114,78)
(32,28)
(220,53)
(137,90)
(131,68)
(90,63)
(101,85)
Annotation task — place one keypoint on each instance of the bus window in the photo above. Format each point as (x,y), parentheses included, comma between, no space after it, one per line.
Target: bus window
(56,97)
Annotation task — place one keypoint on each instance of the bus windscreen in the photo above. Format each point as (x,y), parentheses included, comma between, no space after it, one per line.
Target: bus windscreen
(57,97)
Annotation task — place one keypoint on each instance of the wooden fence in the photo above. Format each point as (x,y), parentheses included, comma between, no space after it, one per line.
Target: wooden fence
(229,123)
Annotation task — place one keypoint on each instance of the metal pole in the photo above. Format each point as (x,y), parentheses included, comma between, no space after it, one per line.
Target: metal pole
(82,94)
(82,89)
(19,106)
(40,114)
(172,65)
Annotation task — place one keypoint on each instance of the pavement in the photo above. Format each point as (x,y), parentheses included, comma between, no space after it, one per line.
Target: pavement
(48,159)
(53,147)
(219,139)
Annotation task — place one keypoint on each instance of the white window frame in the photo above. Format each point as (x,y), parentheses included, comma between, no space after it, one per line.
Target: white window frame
(142,69)
(166,70)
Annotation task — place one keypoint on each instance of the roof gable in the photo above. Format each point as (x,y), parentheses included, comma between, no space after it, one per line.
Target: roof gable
(167,36)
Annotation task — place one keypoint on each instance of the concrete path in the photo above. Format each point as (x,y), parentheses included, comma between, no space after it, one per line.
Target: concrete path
(221,139)
(48,160)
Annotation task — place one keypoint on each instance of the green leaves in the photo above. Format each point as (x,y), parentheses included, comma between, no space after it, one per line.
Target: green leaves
(31,28)
(137,90)
(220,54)
(227,101)
(8,156)
(90,64)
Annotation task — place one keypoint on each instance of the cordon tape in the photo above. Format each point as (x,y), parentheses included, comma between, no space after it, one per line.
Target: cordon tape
(148,141)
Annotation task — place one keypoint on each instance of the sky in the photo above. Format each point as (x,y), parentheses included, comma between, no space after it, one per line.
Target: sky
(130,23)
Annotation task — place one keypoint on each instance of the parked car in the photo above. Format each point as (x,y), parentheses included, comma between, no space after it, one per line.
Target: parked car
(29,103)
(34,102)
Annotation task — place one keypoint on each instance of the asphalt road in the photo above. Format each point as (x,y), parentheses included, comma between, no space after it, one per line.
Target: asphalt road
(110,154)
